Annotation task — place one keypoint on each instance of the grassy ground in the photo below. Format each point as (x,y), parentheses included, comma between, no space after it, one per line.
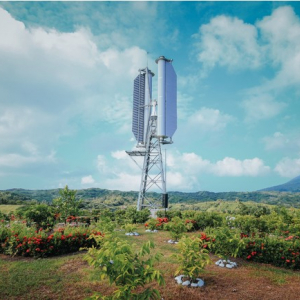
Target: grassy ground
(70,277)
(8,208)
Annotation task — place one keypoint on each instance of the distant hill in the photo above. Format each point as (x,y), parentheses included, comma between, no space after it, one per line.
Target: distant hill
(291,186)
(8,197)
(96,197)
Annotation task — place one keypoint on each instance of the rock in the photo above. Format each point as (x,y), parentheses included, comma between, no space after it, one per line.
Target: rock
(200,282)
(127,233)
(179,279)
(170,241)
(218,262)
(155,230)
(221,265)
(194,284)
(234,264)
(136,233)
(148,230)
(229,266)
(186,283)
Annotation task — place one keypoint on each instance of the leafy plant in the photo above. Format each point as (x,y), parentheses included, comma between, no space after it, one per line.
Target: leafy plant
(129,228)
(152,224)
(227,243)
(176,227)
(105,225)
(67,204)
(192,257)
(125,268)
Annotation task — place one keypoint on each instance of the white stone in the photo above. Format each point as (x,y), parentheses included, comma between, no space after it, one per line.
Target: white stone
(234,264)
(148,230)
(155,230)
(200,282)
(194,284)
(229,266)
(186,283)
(136,233)
(127,233)
(221,265)
(218,262)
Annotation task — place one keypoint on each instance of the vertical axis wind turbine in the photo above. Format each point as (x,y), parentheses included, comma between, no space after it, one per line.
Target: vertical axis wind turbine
(153,123)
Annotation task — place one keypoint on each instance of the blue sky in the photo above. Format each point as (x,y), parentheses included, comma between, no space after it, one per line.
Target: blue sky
(66,79)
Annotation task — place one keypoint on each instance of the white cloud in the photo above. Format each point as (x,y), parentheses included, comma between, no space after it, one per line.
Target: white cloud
(228,41)
(288,142)
(101,163)
(233,167)
(87,180)
(208,119)
(124,181)
(259,107)
(184,170)
(288,167)
(49,78)
(276,141)
(120,154)
(281,34)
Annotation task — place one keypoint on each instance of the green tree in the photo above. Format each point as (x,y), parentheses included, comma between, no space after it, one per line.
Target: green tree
(67,204)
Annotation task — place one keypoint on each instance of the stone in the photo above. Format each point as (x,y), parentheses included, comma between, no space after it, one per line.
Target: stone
(221,265)
(229,266)
(179,279)
(148,230)
(186,283)
(200,282)
(218,262)
(136,234)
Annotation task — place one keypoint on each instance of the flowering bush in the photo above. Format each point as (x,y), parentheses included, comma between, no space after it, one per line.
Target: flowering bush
(278,251)
(26,241)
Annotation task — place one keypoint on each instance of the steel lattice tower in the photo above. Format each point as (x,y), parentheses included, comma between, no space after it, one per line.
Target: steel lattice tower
(154,123)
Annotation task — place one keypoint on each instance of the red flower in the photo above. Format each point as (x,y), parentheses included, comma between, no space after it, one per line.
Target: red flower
(249,256)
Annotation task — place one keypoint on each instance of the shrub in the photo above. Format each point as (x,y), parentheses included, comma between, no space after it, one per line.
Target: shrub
(192,257)
(27,241)
(208,219)
(227,243)
(134,216)
(128,270)
(176,227)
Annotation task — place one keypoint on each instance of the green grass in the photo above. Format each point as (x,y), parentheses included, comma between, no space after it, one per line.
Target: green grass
(8,208)
(277,276)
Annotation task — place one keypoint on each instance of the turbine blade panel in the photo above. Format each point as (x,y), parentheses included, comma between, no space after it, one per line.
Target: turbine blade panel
(138,107)
(171,100)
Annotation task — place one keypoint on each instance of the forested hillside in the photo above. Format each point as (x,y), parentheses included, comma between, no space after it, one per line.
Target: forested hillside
(94,197)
